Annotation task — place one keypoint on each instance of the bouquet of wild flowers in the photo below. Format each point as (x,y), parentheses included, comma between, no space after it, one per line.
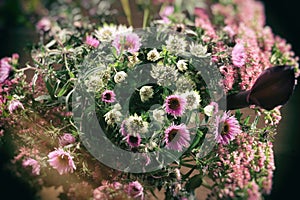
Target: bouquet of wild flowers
(114,112)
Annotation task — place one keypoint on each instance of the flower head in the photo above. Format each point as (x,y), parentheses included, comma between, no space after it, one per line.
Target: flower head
(134,125)
(198,50)
(5,69)
(93,42)
(184,83)
(153,55)
(62,161)
(66,139)
(165,75)
(177,137)
(44,24)
(238,55)
(120,77)
(14,104)
(114,115)
(135,190)
(175,105)
(228,128)
(128,42)
(34,164)
(211,109)
(106,33)
(158,115)
(146,93)
(108,96)
(192,99)
(181,65)
(176,44)
(133,140)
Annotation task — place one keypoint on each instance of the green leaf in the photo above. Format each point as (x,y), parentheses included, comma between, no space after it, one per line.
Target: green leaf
(194,183)
(50,88)
(64,89)
(43,97)
(196,139)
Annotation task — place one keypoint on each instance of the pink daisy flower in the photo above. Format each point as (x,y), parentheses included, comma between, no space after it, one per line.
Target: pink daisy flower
(177,137)
(133,140)
(128,42)
(135,190)
(93,42)
(108,96)
(34,164)
(228,128)
(14,104)
(66,139)
(175,105)
(5,69)
(238,55)
(61,161)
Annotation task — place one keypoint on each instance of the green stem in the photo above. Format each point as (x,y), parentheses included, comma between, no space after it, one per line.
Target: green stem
(146,17)
(127,10)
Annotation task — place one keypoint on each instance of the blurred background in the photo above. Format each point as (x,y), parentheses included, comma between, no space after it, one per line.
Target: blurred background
(17,32)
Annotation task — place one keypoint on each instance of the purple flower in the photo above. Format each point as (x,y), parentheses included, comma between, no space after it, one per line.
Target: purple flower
(128,42)
(227,128)
(93,42)
(34,164)
(62,161)
(108,96)
(135,190)
(175,105)
(5,69)
(238,55)
(66,139)
(133,140)
(177,137)
(14,104)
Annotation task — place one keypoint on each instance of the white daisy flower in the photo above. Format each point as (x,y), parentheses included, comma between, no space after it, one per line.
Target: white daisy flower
(192,99)
(113,116)
(124,29)
(120,77)
(184,84)
(134,125)
(199,50)
(176,44)
(106,33)
(146,92)
(158,115)
(133,60)
(182,65)
(165,75)
(153,55)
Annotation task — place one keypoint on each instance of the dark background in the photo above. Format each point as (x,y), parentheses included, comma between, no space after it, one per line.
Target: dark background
(282,17)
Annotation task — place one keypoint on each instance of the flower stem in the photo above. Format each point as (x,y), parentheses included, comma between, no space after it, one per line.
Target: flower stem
(127,10)
(146,17)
